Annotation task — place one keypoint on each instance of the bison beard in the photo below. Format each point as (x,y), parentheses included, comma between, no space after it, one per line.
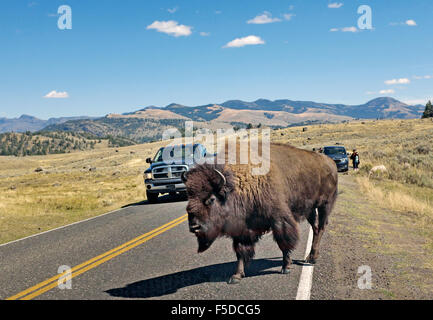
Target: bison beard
(203,243)
(229,201)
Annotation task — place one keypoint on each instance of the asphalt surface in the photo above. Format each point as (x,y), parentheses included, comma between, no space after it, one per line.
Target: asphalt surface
(166,266)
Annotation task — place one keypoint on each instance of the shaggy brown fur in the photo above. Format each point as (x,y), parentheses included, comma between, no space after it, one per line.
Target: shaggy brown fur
(246,206)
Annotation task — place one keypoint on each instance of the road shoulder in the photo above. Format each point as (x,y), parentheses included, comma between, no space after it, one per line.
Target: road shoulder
(363,236)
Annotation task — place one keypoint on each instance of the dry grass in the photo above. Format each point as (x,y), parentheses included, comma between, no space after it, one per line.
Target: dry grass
(398,201)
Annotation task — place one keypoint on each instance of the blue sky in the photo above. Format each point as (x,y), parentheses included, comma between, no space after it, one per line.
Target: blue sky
(120,56)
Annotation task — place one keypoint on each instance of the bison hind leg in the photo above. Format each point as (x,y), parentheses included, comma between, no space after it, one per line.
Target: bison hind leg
(286,235)
(318,220)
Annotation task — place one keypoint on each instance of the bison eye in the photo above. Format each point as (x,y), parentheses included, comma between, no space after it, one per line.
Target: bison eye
(210,201)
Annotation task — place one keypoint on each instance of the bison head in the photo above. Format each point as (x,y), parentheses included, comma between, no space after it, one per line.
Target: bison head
(208,187)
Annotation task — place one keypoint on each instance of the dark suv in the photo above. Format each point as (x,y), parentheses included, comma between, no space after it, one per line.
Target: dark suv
(339,155)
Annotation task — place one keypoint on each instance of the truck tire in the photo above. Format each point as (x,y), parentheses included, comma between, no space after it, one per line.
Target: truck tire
(152,197)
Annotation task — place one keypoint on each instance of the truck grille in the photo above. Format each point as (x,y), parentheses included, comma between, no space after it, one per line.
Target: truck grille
(168,172)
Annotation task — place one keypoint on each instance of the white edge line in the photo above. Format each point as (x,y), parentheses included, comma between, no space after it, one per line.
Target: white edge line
(62,227)
(306,279)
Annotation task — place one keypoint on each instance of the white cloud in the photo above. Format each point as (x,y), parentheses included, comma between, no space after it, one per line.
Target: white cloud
(397,81)
(264,18)
(389,91)
(171,28)
(335,5)
(349,29)
(205,34)
(172,10)
(56,95)
(288,16)
(245,41)
(345,29)
(411,23)
(423,77)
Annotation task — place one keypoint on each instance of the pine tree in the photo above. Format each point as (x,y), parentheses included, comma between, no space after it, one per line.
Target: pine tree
(428,113)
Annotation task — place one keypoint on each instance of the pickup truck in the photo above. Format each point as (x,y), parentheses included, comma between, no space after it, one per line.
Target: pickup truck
(167,166)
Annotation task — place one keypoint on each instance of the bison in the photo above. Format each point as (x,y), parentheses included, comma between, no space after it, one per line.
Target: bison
(227,200)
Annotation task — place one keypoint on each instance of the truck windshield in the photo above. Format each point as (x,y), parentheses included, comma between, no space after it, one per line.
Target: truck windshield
(335,151)
(187,152)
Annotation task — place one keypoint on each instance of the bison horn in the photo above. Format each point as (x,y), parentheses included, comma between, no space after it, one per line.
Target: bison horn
(224,181)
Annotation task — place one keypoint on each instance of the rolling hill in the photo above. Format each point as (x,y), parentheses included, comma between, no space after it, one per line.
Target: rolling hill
(43,143)
(135,129)
(148,123)
(382,108)
(30,123)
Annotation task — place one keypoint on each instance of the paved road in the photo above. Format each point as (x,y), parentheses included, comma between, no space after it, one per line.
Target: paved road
(159,265)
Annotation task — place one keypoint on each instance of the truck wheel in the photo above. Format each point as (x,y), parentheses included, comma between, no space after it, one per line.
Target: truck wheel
(152,197)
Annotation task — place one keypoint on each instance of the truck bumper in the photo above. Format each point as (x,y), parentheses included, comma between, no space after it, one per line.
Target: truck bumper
(343,167)
(165,188)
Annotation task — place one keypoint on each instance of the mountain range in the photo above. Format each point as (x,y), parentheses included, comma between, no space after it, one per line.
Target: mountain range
(30,123)
(146,124)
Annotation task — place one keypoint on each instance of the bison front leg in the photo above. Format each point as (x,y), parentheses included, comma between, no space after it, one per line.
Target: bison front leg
(244,253)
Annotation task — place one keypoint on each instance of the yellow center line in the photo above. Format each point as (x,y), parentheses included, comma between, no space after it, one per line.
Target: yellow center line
(96,261)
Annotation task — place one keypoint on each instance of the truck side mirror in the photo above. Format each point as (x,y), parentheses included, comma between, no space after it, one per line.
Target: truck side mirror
(149,160)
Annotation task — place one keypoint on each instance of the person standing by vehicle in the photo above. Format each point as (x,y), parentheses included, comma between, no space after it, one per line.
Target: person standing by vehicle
(355,159)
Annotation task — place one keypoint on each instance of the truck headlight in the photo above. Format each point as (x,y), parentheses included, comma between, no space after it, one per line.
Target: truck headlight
(148,176)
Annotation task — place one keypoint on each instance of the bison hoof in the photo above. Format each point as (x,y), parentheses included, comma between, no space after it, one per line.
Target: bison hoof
(310,260)
(285,271)
(235,279)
